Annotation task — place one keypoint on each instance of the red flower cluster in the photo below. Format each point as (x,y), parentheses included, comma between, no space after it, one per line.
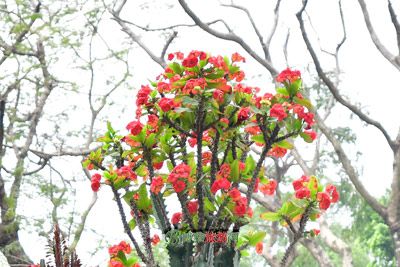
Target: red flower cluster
(135,127)
(259,248)
(192,206)
(300,187)
(180,173)
(241,207)
(277,111)
(127,172)
(308,117)
(224,171)
(143,95)
(218,184)
(237,58)
(288,75)
(166,104)
(243,114)
(311,134)
(122,246)
(155,240)
(176,218)
(277,152)
(329,196)
(95,182)
(156,185)
(269,189)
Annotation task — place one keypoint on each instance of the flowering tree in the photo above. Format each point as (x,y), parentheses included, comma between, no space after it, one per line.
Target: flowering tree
(192,139)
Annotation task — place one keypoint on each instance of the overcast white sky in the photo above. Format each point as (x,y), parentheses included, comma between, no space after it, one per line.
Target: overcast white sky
(367,79)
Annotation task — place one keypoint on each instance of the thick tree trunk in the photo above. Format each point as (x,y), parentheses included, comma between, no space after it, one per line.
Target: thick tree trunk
(10,245)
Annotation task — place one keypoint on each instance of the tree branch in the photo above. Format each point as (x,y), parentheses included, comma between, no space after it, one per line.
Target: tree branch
(230,37)
(331,86)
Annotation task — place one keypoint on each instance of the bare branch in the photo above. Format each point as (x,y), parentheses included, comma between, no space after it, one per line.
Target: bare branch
(395,22)
(331,86)
(349,169)
(230,37)
(255,28)
(395,61)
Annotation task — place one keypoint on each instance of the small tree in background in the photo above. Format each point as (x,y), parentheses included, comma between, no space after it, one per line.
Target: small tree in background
(192,138)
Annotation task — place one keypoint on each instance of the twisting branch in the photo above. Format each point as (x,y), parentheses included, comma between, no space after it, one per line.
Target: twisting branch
(230,37)
(395,22)
(255,28)
(331,86)
(395,61)
(349,169)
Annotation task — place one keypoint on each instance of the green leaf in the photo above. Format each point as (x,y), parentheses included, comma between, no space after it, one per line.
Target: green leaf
(175,67)
(122,257)
(250,164)
(256,238)
(271,216)
(303,102)
(285,144)
(259,138)
(132,224)
(209,205)
(150,140)
(313,186)
(306,137)
(235,170)
(245,253)
(282,91)
(294,87)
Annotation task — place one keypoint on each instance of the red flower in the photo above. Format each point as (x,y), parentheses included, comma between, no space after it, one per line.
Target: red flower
(126,171)
(278,112)
(206,157)
(269,189)
(316,231)
(235,194)
(259,248)
(163,87)
(135,127)
(288,75)
(155,240)
(311,134)
(166,104)
(237,58)
(158,165)
(253,130)
(170,56)
(299,183)
(115,263)
(122,246)
(222,183)
(193,206)
(240,208)
(95,182)
(179,186)
(324,200)
(192,142)
(277,152)
(143,95)
(331,189)
(218,95)
(303,192)
(224,171)
(176,218)
(224,121)
(309,119)
(244,114)
(156,185)
(190,62)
